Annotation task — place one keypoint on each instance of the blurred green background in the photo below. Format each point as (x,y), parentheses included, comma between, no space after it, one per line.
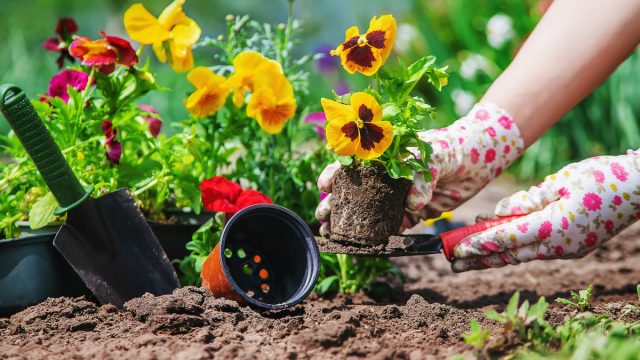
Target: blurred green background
(477,40)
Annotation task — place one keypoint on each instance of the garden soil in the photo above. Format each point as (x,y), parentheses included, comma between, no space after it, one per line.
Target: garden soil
(424,319)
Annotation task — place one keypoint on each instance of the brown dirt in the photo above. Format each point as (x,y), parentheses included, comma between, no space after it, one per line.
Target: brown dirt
(424,321)
(367,205)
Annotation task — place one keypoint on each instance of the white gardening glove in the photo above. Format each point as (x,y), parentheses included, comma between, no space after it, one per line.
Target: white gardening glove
(570,214)
(466,156)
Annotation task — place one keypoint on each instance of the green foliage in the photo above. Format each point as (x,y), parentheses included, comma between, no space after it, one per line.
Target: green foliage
(352,274)
(477,336)
(202,243)
(526,321)
(580,300)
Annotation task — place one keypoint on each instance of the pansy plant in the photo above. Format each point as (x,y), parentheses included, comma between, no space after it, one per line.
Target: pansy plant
(380,125)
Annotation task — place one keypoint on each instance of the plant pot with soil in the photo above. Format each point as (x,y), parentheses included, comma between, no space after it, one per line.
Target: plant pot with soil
(375,134)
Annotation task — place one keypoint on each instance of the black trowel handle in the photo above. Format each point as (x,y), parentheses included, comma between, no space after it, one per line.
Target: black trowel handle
(43,150)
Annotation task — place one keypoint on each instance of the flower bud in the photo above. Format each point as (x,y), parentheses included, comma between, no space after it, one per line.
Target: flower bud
(146,76)
(282,26)
(230,18)
(220,38)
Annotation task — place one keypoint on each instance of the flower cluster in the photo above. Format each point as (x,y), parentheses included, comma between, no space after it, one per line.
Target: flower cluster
(381,124)
(65,30)
(105,53)
(272,100)
(222,195)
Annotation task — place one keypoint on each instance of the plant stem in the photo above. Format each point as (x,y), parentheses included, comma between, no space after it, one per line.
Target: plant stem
(85,94)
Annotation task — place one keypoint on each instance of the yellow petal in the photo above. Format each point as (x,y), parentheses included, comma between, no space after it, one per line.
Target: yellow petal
(387,24)
(172,14)
(182,64)
(269,108)
(201,76)
(361,98)
(185,34)
(142,26)
(338,141)
(349,34)
(378,147)
(161,52)
(336,111)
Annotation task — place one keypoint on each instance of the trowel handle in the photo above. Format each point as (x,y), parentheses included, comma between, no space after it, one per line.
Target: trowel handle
(42,149)
(451,239)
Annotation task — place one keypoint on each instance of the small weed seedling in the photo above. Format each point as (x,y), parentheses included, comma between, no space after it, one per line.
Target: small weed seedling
(580,300)
(630,308)
(526,321)
(478,337)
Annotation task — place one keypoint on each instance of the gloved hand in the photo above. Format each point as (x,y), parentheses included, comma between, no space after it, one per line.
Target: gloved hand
(570,214)
(466,156)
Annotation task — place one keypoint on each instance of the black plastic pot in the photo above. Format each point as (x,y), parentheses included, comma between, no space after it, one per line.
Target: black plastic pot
(174,237)
(267,257)
(31,270)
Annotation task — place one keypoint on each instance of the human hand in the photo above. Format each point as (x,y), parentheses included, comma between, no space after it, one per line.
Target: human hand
(569,215)
(466,156)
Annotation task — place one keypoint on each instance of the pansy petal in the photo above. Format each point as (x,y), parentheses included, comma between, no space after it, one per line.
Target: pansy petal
(340,137)
(350,39)
(363,59)
(172,14)
(336,111)
(186,33)
(382,34)
(200,76)
(181,63)
(142,26)
(161,51)
(366,106)
(375,138)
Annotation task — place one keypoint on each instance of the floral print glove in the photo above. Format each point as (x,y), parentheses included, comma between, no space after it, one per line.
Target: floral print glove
(569,215)
(466,156)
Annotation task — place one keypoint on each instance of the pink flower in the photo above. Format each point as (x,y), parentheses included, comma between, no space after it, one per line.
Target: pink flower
(489,156)
(505,122)
(545,230)
(443,144)
(317,119)
(564,192)
(498,171)
(591,239)
(460,140)
(592,201)
(617,200)
(505,259)
(565,223)
(60,43)
(491,131)
(523,227)
(475,155)
(598,176)
(154,123)
(490,246)
(619,172)
(608,226)
(114,147)
(58,86)
(507,149)
(558,250)
(482,115)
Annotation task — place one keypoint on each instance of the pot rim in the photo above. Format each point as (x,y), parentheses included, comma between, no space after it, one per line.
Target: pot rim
(27,240)
(311,276)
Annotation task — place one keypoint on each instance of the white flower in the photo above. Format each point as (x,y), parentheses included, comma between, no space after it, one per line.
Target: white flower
(404,37)
(499,30)
(472,64)
(463,101)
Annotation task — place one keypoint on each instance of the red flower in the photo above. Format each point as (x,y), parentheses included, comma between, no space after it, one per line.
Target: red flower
(104,53)
(222,195)
(65,29)
(609,225)
(251,197)
(155,124)
(58,86)
(559,250)
(489,156)
(591,239)
(545,230)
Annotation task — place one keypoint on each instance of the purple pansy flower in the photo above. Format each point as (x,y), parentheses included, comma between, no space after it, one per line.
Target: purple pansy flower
(60,81)
(154,123)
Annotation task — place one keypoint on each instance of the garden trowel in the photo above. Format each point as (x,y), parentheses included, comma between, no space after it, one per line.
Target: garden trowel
(415,244)
(106,240)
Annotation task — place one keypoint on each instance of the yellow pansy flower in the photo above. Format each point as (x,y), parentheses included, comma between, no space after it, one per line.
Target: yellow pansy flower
(272,102)
(357,129)
(209,96)
(246,66)
(366,53)
(172,31)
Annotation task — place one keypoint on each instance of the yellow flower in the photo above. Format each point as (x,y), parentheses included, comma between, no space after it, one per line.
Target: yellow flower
(366,53)
(209,96)
(172,31)
(246,66)
(357,129)
(272,102)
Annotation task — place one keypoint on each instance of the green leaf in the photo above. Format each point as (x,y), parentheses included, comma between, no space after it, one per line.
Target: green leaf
(41,213)
(494,315)
(328,284)
(512,307)
(419,68)
(345,160)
